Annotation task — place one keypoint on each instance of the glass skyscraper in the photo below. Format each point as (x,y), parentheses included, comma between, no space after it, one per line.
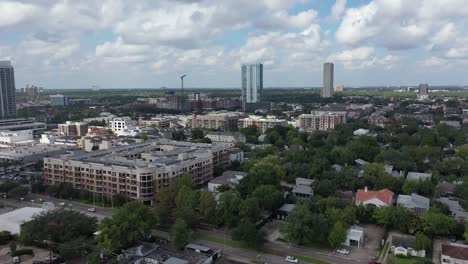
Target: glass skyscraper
(7,90)
(252,83)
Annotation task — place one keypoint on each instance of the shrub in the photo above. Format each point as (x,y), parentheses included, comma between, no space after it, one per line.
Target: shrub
(22,251)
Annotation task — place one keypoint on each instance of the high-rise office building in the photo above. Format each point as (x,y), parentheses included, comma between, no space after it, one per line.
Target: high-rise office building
(7,87)
(327,89)
(423,92)
(252,83)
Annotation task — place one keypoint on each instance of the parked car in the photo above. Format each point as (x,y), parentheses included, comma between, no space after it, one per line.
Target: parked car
(292,259)
(16,259)
(62,204)
(343,251)
(92,209)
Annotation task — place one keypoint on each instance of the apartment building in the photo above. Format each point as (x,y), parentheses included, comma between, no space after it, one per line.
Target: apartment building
(263,123)
(321,120)
(139,170)
(219,121)
(122,124)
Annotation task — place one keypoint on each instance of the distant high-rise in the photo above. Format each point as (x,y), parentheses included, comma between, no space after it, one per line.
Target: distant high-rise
(423,92)
(7,87)
(327,89)
(252,83)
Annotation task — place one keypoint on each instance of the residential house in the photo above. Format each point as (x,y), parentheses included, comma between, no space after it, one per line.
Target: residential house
(445,189)
(284,211)
(376,198)
(303,188)
(417,203)
(416,176)
(354,236)
(455,208)
(404,245)
(226,137)
(229,178)
(454,124)
(236,154)
(454,253)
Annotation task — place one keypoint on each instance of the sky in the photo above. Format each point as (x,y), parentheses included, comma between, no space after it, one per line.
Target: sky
(150,43)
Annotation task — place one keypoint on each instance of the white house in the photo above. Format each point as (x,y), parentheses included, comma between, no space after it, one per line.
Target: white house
(228,178)
(14,137)
(404,245)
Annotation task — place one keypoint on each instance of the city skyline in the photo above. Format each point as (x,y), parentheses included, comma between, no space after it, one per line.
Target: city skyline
(148,45)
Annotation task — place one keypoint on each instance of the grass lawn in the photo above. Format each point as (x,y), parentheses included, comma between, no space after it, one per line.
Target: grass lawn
(226,242)
(409,260)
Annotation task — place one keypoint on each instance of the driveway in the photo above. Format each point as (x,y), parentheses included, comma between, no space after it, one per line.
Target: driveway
(373,235)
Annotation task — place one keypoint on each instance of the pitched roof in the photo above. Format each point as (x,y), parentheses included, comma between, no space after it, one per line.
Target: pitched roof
(384,195)
(454,251)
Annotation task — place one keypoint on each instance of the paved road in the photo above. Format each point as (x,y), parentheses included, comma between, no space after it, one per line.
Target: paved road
(33,201)
(281,250)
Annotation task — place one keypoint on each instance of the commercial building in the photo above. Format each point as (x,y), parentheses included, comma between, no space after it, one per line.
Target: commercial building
(105,117)
(354,236)
(218,121)
(93,143)
(59,100)
(22,124)
(138,170)
(327,89)
(78,129)
(252,83)
(7,90)
(122,124)
(339,88)
(159,121)
(15,137)
(263,123)
(12,221)
(423,91)
(226,137)
(321,120)
(28,154)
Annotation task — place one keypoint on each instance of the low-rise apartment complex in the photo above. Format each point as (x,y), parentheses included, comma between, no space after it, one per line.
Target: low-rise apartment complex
(137,170)
(321,120)
(263,123)
(218,121)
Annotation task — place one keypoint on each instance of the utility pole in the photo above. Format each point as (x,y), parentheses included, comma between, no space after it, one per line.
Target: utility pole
(182,86)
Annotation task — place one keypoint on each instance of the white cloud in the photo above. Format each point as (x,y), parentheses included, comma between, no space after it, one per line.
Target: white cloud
(362,57)
(15,12)
(338,9)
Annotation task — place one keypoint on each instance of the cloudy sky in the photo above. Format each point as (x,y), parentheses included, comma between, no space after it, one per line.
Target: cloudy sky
(149,43)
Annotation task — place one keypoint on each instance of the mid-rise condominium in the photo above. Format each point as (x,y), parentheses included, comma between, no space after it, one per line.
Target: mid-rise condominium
(139,170)
(7,90)
(252,83)
(327,89)
(423,92)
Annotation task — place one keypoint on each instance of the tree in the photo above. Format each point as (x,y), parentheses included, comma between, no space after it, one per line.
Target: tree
(197,133)
(337,235)
(250,209)
(144,136)
(364,147)
(59,226)
(12,246)
(19,191)
(131,223)
(269,197)
(248,234)
(422,242)
(303,226)
(180,233)
(207,206)
(264,172)
(437,224)
(228,207)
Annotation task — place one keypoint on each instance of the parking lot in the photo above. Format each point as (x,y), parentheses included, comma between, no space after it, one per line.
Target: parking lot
(373,236)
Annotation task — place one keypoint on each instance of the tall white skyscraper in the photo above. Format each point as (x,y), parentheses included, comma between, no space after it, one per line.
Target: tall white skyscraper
(252,83)
(327,89)
(7,90)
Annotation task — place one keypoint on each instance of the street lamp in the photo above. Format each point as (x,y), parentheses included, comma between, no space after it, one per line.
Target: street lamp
(4,200)
(22,199)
